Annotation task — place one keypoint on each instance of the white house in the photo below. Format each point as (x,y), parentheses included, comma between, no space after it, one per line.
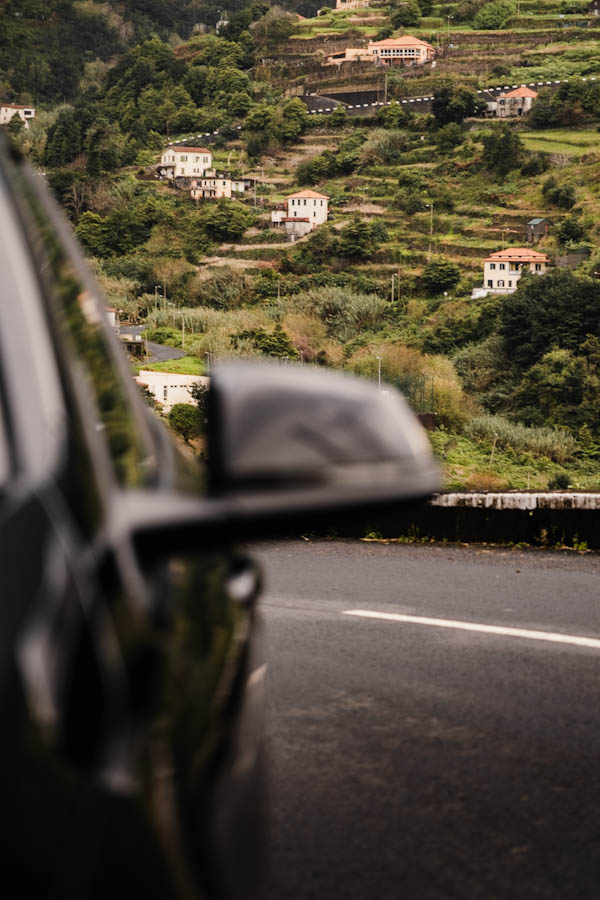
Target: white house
(213,185)
(184,162)
(352,4)
(169,388)
(308,205)
(405,50)
(502,270)
(517,102)
(8,110)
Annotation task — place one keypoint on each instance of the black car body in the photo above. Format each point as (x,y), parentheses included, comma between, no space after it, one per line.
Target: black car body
(131,656)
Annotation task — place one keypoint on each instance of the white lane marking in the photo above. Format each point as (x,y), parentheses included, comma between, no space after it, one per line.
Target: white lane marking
(550,636)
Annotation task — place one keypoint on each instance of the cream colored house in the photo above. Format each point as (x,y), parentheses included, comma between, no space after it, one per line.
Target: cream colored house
(517,102)
(213,185)
(169,388)
(8,110)
(502,270)
(308,205)
(351,4)
(184,162)
(405,50)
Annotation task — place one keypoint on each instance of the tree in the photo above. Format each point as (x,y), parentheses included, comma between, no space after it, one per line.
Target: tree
(502,150)
(226,220)
(63,143)
(570,231)
(493,15)
(184,418)
(294,119)
(356,241)
(452,104)
(440,275)
(408,13)
(559,310)
(449,137)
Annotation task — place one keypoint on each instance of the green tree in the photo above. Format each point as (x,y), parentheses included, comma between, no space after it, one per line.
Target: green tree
(184,418)
(226,220)
(454,104)
(440,275)
(570,230)
(356,241)
(493,16)
(502,151)
(63,143)
(293,122)
(408,13)
(558,310)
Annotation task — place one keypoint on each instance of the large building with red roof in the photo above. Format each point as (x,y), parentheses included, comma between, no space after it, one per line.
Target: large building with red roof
(502,270)
(405,50)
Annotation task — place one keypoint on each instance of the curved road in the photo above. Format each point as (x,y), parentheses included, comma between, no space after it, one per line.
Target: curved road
(448,750)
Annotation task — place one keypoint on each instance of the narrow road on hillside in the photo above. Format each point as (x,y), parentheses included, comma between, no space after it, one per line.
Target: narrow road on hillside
(448,749)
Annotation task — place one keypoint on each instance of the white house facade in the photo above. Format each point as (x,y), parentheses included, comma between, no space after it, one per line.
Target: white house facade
(405,50)
(213,185)
(8,110)
(169,388)
(502,270)
(184,162)
(352,4)
(308,205)
(517,102)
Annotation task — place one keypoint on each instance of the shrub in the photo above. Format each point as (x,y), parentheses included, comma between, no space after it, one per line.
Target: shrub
(555,444)
(184,418)
(440,275)
(559,482)
(493,15)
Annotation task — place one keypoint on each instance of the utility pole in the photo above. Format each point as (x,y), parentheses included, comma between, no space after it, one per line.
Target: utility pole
(385,85)
(378,358)
(430,205)
(155,297)
(165,292)
(393,276)
(182,330)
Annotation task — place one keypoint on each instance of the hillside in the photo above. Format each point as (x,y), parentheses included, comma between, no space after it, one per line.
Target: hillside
(419,195)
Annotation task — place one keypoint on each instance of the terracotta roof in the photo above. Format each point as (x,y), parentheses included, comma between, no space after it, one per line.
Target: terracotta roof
(295,219)
(518,254)
(15,106)
(189,149)
(522,92)
(313,194)
(405,41)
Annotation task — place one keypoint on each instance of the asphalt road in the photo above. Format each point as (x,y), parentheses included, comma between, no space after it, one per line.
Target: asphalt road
(411,760)
(156,352)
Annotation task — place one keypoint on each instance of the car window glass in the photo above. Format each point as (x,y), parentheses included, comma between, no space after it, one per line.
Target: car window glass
(79,315)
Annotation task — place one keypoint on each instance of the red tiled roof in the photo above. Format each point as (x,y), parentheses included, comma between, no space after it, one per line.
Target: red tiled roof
(190,149)
(294,219)
(522,92)
(405,41)
(312,194)
(15,106)
(518,254)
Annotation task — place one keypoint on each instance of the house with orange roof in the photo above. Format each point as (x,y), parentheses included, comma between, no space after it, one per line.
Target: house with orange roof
(179,161)
(406,50)
(517,102)
(503,269)
(302,212)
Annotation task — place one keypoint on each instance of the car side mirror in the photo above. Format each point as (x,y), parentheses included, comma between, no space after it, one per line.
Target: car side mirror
(289,448)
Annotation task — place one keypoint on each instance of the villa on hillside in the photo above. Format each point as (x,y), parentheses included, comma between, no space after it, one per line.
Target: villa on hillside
(503,269)
(405,51)
(517,102)
(213,185)
(301,213)
(169,388)
(351,4)
(8,110)
(178,161)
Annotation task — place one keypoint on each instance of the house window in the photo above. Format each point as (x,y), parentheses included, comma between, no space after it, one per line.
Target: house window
(165,390)
(492,265)
(502,265)
(305,202)
(538,267)
(510,283)
(500,283)
(183,158)
(490,283)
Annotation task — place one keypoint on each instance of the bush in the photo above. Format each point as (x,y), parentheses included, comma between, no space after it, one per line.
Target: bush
(184,418)
(552,443)
(493,15)
(559,482)
(440,275)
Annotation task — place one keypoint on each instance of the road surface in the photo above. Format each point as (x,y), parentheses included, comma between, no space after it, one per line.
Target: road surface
(450,750)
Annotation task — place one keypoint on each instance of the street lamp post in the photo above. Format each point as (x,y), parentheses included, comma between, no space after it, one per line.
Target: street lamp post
(448,30)
(156,287)
(378,358)
(393,277)
(430,205)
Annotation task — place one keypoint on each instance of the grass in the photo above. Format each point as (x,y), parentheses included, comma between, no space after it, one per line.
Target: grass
(567,141)
(186,365)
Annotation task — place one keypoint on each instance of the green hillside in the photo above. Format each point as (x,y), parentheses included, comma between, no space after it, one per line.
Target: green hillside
(418,198)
